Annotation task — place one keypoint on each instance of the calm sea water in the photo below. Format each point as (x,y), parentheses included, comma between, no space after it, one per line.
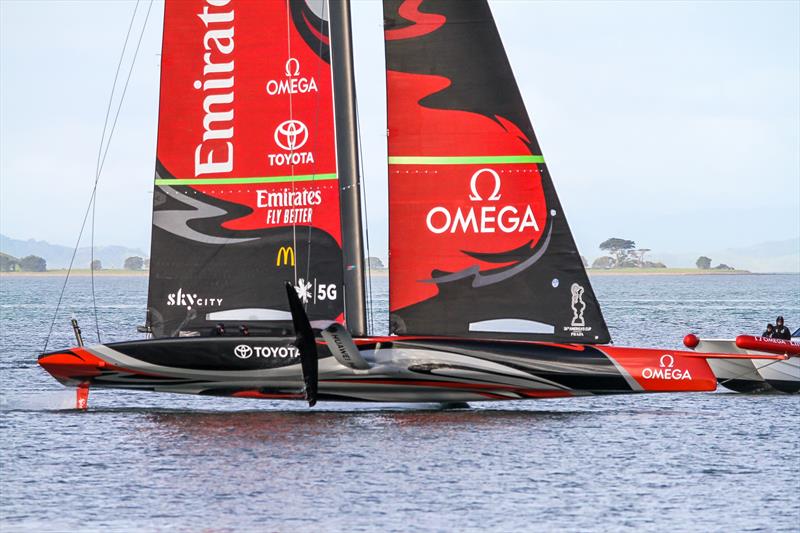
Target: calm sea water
(142,461)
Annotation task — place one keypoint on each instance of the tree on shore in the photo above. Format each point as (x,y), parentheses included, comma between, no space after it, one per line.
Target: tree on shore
(723,266)
(638,256)
(96,265)
(33,263)
(619,248)
(603,262)
(8,263)
(375,263)
(134,263)
(703,262)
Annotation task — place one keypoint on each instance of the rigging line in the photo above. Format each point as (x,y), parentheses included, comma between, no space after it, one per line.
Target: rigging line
(291,123)
(317,113)
(97,179)
(101,162)
(91,272)
(365,220)
(97,165)
(125,88)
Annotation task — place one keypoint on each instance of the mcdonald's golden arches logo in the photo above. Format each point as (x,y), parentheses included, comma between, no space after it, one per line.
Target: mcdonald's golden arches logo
(285,256)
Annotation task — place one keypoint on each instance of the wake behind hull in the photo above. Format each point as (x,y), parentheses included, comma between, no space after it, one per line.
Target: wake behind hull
(402,369)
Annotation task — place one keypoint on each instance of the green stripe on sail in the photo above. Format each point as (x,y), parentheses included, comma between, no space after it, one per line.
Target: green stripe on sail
(237,181)
(464,160)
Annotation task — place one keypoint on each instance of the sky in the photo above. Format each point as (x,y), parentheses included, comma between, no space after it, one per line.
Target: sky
(675,124)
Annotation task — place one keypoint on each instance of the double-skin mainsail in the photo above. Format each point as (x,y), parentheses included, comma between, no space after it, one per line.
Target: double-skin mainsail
(246,190)
(479,244)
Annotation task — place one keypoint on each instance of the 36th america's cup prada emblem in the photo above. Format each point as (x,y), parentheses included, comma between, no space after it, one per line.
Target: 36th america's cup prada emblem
(291,135)
(577,326)
(578,305)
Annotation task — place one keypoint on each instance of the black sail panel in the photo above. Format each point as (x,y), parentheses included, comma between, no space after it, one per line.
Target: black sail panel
(479,243)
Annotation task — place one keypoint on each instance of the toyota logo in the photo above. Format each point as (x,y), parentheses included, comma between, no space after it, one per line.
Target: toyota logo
(291,135)
(243,351)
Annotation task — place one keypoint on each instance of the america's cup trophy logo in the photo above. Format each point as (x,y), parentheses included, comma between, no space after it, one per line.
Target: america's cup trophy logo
(578,305)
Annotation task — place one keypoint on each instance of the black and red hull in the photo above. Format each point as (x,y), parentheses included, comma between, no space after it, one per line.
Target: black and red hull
(402,369)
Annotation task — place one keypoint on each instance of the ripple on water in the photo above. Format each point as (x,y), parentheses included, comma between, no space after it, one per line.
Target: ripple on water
(716,462)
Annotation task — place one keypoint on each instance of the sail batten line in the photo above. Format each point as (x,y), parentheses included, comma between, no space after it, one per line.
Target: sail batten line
(464,160)
(235,181)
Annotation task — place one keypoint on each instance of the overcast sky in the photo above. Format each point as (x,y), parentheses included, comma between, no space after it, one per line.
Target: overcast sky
(676,124)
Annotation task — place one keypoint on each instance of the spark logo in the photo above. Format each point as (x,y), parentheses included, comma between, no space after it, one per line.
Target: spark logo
(311,291)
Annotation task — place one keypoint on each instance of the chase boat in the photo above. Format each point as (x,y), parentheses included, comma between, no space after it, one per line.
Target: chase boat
(755,374)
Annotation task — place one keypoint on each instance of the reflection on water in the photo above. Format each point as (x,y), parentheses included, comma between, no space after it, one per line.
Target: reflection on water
(168,462)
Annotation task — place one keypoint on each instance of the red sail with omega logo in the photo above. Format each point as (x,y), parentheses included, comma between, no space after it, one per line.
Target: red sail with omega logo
(479,244)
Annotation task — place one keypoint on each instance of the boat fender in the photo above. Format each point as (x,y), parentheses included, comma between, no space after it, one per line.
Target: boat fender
(341,345)
(691,341)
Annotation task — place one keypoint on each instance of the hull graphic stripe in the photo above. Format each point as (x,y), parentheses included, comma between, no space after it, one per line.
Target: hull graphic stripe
(464,160)
(233,181)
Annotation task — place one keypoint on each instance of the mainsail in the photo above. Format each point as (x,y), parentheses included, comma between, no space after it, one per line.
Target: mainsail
(246,193)
(479,244)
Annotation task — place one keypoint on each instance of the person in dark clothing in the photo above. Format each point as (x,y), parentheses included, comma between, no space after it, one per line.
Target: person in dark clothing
(219,331)
(769,332)
(781,331)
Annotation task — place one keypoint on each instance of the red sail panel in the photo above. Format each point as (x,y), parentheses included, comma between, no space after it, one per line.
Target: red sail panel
(246,191)
(479,245)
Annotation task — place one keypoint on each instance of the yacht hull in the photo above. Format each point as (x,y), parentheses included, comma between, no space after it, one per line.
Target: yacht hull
(402,369)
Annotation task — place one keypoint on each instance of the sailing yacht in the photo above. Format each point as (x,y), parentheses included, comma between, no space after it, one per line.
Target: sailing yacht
(257,189)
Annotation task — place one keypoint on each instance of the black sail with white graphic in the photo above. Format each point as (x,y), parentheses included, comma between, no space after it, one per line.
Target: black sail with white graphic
(479,243)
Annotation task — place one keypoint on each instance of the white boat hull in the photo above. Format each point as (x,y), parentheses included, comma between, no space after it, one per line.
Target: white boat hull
(740,375)
(781,375)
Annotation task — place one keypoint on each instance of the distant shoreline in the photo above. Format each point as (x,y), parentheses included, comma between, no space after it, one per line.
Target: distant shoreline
(84,272)
(383,273)
(670,272)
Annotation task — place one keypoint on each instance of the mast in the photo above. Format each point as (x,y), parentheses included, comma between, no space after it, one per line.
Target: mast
(344,109)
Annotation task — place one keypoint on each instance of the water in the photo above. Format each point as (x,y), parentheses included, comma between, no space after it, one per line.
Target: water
(712,462)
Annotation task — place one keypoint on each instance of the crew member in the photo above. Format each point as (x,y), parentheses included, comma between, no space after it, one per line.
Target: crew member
(781,331)
(769,332)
